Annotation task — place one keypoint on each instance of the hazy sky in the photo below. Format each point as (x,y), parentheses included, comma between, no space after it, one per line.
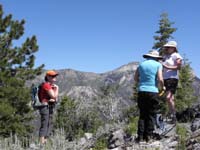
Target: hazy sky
(102,35)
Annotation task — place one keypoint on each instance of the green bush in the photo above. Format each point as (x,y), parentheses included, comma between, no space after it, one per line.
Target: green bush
(182,134)
(132,126)
(101,144)
(76,123)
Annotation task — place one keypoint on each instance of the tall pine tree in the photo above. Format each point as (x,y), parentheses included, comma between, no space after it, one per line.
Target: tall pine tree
(164,33)
(185,94)
(16,67)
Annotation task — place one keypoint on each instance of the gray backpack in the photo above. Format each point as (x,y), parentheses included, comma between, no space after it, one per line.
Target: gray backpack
(36,103)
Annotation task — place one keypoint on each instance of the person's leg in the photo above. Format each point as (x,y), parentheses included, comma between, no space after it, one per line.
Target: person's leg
(50,121)
(171,104)
(170,101)
(141,121)
(44,112)
(151,110)
(171,85)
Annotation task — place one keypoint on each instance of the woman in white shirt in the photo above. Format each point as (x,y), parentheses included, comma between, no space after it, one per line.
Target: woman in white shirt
(172,61)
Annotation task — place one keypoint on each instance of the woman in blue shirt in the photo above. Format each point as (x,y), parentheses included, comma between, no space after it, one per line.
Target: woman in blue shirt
(149,77)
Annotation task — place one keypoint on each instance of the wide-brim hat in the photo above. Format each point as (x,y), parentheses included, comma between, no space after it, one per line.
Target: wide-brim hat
(153,54)
(51,73)
(171,44)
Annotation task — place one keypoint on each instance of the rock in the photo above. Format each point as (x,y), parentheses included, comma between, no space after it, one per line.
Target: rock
(88,135)
(116,139)
(195,124)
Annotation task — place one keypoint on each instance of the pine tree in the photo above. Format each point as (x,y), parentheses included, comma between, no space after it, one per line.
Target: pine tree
(16,67)
(66,117)
(185,94)
(76,121)
(165,32)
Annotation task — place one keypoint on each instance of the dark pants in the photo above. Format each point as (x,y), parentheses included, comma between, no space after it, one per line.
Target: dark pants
(148,105)
(46,113)
(171,85)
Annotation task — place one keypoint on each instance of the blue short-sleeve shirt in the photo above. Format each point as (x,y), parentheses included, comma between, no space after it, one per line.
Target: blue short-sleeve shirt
(148,75)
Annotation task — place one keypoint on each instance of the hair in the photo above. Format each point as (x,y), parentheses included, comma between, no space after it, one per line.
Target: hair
(45,78)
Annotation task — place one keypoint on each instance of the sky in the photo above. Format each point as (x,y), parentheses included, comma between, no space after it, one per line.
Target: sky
(102,35)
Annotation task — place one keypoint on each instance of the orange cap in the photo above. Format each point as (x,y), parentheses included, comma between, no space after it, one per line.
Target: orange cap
(51,73)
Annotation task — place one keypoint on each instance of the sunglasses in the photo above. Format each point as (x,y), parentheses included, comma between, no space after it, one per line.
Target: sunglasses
(53,76)
(168,47)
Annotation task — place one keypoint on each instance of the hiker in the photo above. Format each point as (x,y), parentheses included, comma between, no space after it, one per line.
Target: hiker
(172,61)
(48,95)
(149,78)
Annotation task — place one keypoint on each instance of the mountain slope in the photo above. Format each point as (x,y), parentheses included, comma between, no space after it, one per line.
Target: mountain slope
(109,92)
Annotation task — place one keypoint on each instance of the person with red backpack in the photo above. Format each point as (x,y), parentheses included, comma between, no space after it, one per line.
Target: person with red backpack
(48,95)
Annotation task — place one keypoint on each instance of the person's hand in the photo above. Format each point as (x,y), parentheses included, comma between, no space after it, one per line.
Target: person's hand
(164,88)
(162,92)
(54,86)
(52,100)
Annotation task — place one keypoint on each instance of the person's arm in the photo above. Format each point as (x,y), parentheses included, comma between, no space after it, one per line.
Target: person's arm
(160,79)
(136,76)
(53,93)
(176,67)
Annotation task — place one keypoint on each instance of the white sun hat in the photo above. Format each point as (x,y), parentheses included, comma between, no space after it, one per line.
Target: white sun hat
(152,54)
(171,44)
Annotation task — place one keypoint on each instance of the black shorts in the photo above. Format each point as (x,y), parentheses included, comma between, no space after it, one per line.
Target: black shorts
(171,85)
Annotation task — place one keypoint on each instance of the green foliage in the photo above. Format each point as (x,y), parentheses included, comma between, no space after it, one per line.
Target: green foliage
(101,144)
(185,93)
(108,89)
(66,115)
(132,111)
(76,123)
(89,121)
(182,134)
(13,142)
(132,126)
(135,93)
(132,114)
(16,67)
(165,32)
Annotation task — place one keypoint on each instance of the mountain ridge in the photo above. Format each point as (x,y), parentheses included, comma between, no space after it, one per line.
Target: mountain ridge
(114,87)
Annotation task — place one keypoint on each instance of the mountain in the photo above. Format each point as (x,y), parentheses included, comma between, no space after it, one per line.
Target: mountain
(110,93)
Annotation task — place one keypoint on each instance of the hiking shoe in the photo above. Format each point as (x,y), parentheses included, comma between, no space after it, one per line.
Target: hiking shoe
(157,136)
(149,139)
(139,139)
(173,120)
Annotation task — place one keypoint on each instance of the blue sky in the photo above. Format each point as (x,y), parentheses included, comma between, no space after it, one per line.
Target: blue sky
(102,35)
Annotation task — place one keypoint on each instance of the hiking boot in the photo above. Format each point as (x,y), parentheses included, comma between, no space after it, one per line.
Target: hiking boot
(149,139)
(173,120)
(139,139)
(157,136)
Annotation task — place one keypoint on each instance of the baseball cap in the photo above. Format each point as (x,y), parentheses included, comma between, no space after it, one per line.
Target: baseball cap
(51,73)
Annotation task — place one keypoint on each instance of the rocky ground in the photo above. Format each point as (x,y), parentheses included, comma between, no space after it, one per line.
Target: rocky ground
(184,135)
(118,140)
